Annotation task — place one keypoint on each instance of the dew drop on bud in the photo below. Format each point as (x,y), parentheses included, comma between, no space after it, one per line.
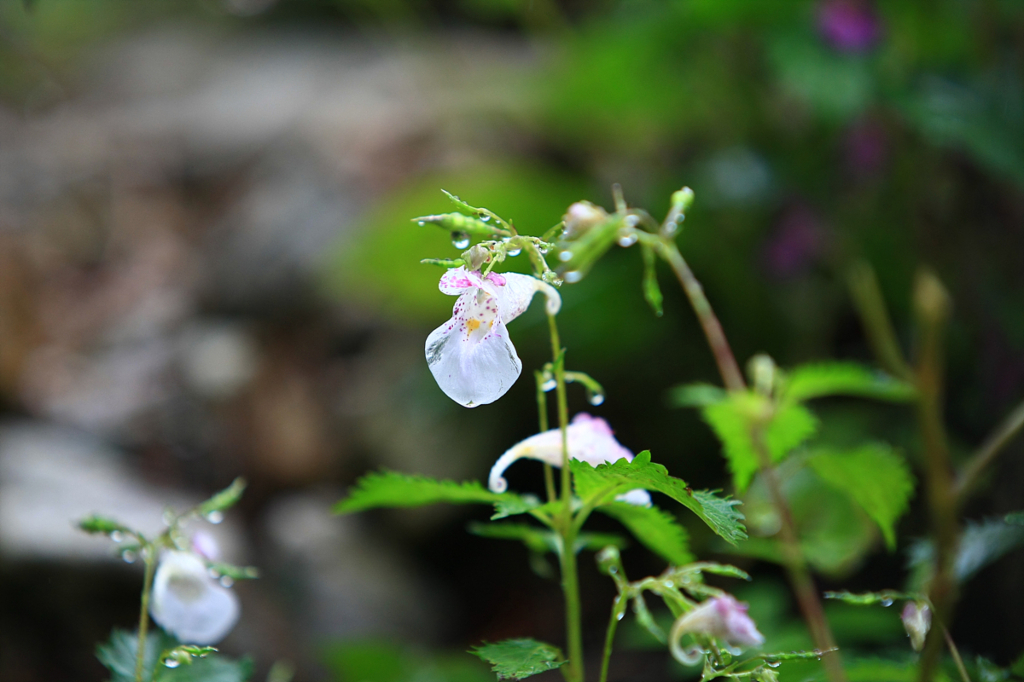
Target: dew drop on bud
(565,256)
(484,218)
(171,662)
(628,239)
(887,602)
(421,223)
(773,664)
(595,397)
(460,240)
(620,615)
(226,581)
(573,276)
(215,516)
(514,252)
(116,536)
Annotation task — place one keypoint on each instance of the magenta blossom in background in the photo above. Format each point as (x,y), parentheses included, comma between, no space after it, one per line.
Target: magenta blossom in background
(849,25)
(590,440)
(795,244)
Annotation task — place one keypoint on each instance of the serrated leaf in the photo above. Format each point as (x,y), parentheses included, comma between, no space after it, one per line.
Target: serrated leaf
(516,659)
(224,499)
(733,419)
(513,505)
(696,395)
(392,489)
(873,476)
(652,292)
(844,378)
(655,529)
(599,486)
(118,656)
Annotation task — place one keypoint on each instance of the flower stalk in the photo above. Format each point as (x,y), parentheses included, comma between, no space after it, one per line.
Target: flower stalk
(148,553)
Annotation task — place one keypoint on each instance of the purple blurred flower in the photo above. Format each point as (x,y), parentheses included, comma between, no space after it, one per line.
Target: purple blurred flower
(795,244)
(849,25)
(865,148)
(722,617)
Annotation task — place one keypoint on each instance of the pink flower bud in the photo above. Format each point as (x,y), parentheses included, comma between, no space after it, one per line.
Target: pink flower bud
(722,617)
(917,620)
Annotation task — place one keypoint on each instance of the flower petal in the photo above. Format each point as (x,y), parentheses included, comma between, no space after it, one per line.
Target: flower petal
(515,294)
(472,364)
(189,604)
(458,280)
(590,440)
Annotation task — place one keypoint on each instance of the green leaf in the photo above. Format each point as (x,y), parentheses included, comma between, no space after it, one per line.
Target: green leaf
(513,505)
(656,530)
(102,524)
(875,477)
(118,656)
(518,658)
(392,489)
(224,499)
(844,378)
(652,292)
(599,486)
(696,395)
(795,655)
(232,571)
(208,669)
(733,419)
(883,597)
(881,670)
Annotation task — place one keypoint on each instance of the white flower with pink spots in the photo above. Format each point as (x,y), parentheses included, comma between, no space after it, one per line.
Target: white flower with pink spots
(471,355)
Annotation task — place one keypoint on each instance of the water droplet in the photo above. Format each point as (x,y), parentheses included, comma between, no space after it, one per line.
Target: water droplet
(620,615)
(171,662)
(671,228)
(117,536)
(226,581)
(514,252)
(213,573)
(215,516)
(628,239)
(773,664)
(484,218)
(887,602)
(669,584)
(573,276)
(460,240)
(548,385)
(128,556)
(565,256)
(632,220)
(543,250)
(595,397)
(421,223)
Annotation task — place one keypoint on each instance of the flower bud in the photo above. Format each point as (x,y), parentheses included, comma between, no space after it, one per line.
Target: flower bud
(476,256)
(917,620)
(580,217)
(722,617)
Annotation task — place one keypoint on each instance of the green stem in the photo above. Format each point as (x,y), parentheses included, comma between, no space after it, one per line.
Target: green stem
(542,411)
(149,556)
(985,455)
(618,608)
(727,367)
(567,550)
(956,656)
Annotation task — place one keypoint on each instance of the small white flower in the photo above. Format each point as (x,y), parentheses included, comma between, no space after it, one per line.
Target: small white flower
(188,603)
(917,620)
(722,617)
(471,355)
(590,439)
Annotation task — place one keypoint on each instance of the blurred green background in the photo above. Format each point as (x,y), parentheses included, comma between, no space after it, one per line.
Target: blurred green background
(208,268)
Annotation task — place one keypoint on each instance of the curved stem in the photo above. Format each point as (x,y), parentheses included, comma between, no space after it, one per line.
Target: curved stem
(987,453)
(149,557)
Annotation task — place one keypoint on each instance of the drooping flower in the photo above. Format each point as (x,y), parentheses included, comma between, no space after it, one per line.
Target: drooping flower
(188,603)
(471,356)
(722,617)
(917,620)
(590,439)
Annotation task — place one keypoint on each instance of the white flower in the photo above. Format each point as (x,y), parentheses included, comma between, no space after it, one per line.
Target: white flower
(471,355)
(590,439)
(917,620)
(188,603)
(722,617)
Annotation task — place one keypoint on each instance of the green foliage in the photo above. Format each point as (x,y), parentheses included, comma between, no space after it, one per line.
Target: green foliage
(843,378)
(652,292)
(102,524)
(656,529)
(541,540)
(873,476)
(384,661)
(223,500)
(883,597)
(518,658)
(696,395)
(884,670)
(735,419)
(392,489)
(234,572)
(118,655)
(599,485)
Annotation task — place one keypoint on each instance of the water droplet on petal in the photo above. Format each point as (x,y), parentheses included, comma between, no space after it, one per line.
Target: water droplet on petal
(460,240)
(565,256)
(128,556)
(117,536)
(573,276)
(226,581)
(215,516)
(171,662)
